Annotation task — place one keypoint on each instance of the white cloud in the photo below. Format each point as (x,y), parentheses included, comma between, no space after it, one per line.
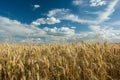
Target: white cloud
(58,34)
(113,23)
(31,41)
(66,34)
(76,18)
(30,33)
(77,2)
(94,3)
(103,16)
(73,27)
(45,35)
(36,6)
(65,14)
(58,12)
(13,28)
(51,20)
(39,22)
(63,31)
(106,33)
(95,28)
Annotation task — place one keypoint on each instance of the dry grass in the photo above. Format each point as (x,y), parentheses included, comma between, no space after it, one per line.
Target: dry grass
(74,61)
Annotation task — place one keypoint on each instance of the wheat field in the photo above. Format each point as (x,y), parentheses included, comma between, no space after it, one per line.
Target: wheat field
(73,61)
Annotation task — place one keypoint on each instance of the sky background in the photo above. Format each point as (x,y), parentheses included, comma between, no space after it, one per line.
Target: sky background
(46,21)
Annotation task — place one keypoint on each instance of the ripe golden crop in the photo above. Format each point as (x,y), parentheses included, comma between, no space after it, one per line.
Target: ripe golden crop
(73,61)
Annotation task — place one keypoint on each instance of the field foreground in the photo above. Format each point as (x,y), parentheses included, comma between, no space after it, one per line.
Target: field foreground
(74,61)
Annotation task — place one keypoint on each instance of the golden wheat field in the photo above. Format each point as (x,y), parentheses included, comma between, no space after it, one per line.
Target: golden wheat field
(73,61)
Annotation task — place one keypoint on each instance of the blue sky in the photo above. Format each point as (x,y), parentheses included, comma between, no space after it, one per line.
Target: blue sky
(44,21)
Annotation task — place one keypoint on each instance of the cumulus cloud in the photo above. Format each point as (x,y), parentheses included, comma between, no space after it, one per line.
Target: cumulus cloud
(30,33)
(76,18)
(32,40)
(95,27)
(14,28)
(51,20)
(63,31)
(39,22)
(36,6)
(94,3)
(105,14)
(77,2)
(58,12)
(106,32)
(65,14)
(73,27)
(46,35)
(102,16)
(66,34)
